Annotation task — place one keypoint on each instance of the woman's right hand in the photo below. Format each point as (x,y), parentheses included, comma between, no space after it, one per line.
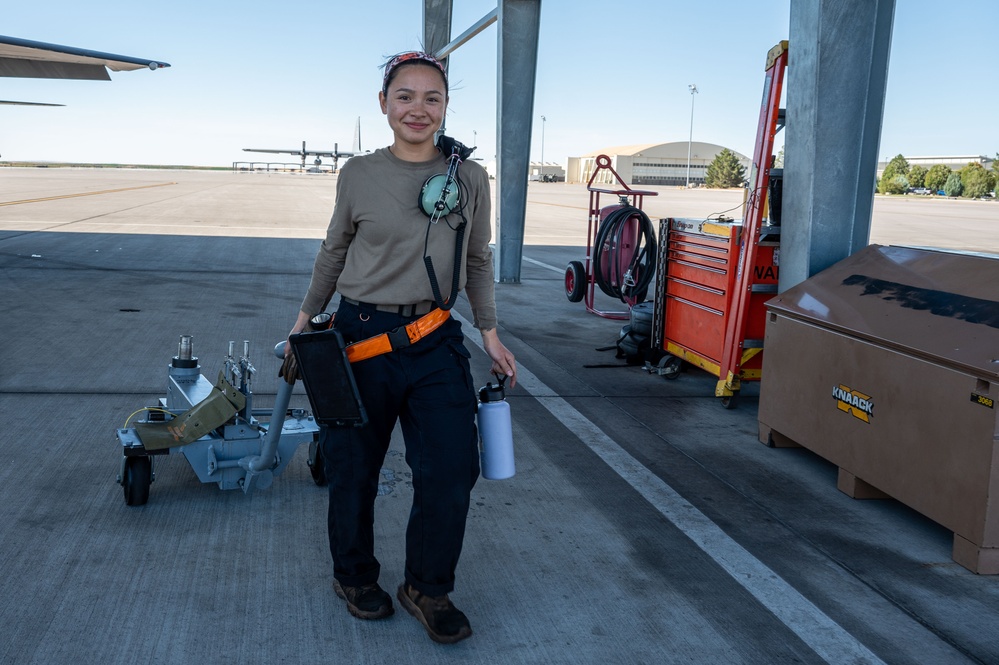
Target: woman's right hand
(289,368)
(300,323)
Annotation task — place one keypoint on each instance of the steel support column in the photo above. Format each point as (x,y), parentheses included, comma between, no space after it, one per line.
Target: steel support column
(837,74)
(519,24)
(436,24)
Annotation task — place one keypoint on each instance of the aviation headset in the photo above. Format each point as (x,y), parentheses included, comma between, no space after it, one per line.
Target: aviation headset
(439,197)
(441,193)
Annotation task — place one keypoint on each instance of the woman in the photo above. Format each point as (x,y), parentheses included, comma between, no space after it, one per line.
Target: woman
(373,255)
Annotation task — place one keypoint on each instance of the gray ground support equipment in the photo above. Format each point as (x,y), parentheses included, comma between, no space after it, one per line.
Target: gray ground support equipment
(216,428)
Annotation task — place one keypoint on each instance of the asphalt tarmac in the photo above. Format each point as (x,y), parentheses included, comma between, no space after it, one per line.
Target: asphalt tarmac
(645,524)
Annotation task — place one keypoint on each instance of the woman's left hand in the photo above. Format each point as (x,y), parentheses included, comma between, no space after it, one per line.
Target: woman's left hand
(503,361)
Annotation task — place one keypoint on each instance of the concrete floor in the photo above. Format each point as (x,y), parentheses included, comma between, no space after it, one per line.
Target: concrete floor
(645,524)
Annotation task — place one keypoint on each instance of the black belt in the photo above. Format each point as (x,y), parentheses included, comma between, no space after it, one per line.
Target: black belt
(416,309)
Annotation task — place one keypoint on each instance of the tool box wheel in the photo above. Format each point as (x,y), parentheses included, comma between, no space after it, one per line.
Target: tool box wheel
(671,368)
(136,481)
(575,281)
(317,465)
(730,401)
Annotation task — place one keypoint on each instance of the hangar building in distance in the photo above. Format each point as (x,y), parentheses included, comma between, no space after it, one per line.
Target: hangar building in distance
(651,163)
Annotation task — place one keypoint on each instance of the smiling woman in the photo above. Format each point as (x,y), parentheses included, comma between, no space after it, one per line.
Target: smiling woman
(414,97)
(379,254)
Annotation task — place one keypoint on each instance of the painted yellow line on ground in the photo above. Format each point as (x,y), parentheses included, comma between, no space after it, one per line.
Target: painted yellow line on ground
(556,205)
(70,196)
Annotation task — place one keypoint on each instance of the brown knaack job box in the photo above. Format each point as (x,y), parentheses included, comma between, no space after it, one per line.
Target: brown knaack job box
(887,365)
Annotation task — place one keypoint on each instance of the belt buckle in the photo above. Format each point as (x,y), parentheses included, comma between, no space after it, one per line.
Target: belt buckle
(398,338)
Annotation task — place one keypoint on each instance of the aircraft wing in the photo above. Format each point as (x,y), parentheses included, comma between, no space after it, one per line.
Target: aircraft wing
(5,102)
(275,151)
(307,153)
(335,153)
(23,58)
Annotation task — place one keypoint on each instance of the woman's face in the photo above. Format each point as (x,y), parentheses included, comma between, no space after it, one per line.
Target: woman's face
(415,104)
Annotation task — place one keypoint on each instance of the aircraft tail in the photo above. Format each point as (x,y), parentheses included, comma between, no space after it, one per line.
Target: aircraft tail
(357,136)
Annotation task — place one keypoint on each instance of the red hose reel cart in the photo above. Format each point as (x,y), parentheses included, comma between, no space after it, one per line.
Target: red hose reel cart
(620,248)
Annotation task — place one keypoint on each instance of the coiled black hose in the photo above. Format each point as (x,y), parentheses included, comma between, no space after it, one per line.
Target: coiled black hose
(634,281)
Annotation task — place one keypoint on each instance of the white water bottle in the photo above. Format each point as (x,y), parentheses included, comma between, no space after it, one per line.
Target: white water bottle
(495,432)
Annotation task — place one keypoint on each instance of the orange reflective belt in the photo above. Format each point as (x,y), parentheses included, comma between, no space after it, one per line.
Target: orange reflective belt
(397,338)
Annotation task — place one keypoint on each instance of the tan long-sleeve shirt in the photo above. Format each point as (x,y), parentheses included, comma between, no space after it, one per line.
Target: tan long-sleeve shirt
(374,246)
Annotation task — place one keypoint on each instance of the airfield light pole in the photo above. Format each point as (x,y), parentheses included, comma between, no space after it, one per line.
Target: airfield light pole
(542,174)
(690,139)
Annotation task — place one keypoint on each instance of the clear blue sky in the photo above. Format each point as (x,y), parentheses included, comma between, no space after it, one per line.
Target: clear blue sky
(268,74)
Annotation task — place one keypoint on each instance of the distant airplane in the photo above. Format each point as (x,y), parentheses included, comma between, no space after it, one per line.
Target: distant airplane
(334,154)
(23,58)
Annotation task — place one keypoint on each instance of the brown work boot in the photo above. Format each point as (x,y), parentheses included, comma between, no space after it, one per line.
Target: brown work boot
(444,622)
(365,602)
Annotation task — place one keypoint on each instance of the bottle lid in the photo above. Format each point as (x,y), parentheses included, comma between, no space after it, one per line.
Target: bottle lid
(492,392)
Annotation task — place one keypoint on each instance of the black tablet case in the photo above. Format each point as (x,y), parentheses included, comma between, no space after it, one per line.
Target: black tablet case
(329,382)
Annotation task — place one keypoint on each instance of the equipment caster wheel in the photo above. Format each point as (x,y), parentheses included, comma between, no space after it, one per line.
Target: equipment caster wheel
(575,281)
(671,368)
(730,401)
(138,476)
(317,465)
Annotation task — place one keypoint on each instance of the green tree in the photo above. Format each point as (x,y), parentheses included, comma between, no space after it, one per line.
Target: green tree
(897,185)
(953,186)
(936,178)
(969,168)
(917,176)
(898,166)
(975,182)
(725,171)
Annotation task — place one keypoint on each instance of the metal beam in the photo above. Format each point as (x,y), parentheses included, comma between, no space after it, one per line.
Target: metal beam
(519,26)
(837,77)
(436,24)
(478,27)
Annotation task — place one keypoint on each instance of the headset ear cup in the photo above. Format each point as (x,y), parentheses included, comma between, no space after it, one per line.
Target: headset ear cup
(431,196)
(424,201)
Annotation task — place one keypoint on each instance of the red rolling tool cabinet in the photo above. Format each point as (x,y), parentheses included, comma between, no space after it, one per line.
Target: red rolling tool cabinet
(714,276)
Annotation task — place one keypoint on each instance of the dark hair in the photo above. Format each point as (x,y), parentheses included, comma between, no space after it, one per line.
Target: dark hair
(411,58)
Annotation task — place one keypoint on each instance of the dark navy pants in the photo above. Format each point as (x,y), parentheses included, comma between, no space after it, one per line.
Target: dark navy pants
(427,388)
